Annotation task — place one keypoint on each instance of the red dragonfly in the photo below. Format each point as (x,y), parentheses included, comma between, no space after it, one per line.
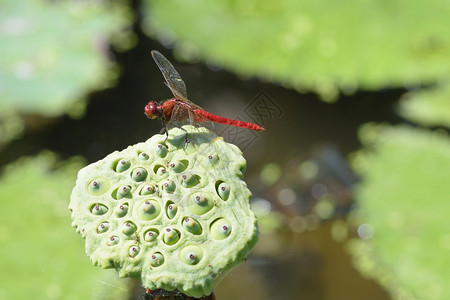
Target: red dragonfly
(179,108)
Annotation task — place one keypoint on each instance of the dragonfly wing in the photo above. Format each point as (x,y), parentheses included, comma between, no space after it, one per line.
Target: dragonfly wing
(173,79)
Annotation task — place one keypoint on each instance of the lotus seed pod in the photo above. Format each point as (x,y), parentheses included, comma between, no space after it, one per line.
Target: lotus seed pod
(176,215)
(139,174)
(220,229)
(192,225)
(171,210)
(122,165)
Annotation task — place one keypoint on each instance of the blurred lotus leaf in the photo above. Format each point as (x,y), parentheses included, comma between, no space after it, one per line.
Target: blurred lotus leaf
(55,52)
(428,107)
(403,213)
(42,256)
(326,46)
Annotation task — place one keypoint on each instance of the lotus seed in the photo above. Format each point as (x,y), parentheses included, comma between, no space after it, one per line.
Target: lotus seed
(191,254)
(149,210)
(121,210)
(114,240)
(98,187)
(170,236)
(103,227)
(220,229)
(223,190)
(143,156)
(200,204)
(178,166)
(147,190)
(134,250)
(190,180)
(139,174)
(192,225)
(122,165)
(99,209)
(157,259)
(128,228)
(161,151)
(123,191)
(169,186)
(172,210)
(150,235)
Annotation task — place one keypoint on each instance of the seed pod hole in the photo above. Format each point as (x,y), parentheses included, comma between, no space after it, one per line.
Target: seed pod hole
(98,209)
(171,209)
(223,190)
(151,235)
(121,210)
(121,165)
(149,210)
(139,174)
(98,186)
(156,259)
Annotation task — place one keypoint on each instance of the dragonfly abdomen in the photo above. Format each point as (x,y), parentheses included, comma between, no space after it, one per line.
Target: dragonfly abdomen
(226,121)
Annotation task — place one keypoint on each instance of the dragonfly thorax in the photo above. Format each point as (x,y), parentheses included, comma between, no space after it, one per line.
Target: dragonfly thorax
(152,111)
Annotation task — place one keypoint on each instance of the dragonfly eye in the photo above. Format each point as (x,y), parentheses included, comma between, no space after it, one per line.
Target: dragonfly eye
(151,110)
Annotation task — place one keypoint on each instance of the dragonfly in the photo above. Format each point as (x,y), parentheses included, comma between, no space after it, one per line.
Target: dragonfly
(179,108)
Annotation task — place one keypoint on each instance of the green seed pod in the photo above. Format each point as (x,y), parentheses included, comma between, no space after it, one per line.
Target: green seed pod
(156,259)
(223,190)
(123,191)
(103,227)
(134,251)
(122,165)
(171,210)
(98,187)
(128,228)
(191,254)
(121,210)
(178,166)
(138,214)
(151,235)
(170,236)
(190,180)
(149,210)
(192,225)
(161,151)
(148,190)
(143,156)
(169,186)
(99,209)
(139,174)
(200,203)
(220,229)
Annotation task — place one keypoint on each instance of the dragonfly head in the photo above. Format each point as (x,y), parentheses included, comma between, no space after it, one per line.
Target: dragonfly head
(151,110)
